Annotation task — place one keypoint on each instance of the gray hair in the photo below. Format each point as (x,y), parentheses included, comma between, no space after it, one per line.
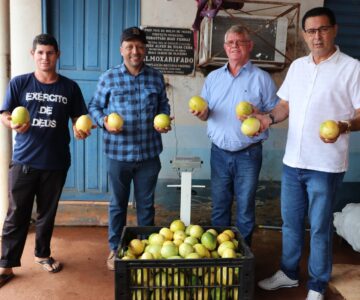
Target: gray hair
(239,29)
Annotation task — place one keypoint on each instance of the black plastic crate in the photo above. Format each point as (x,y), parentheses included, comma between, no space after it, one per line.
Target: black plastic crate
(139,279)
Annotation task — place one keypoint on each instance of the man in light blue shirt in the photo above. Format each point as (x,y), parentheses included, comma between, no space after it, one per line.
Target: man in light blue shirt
(235,158)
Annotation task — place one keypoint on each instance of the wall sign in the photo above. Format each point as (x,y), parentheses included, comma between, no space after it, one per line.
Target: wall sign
(170,50)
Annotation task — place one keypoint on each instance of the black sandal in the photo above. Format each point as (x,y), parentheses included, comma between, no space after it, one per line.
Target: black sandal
(5,278)
(48,265)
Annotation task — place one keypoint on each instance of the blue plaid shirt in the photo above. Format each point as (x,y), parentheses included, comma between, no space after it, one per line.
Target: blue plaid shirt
(138,99)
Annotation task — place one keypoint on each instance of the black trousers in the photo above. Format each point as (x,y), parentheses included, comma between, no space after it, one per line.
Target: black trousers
(27,184)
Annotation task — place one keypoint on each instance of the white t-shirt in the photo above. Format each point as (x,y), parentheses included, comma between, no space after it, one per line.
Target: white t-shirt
(316,93)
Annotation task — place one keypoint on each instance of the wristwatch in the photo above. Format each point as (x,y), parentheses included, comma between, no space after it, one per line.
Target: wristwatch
(272,119)
(348,124)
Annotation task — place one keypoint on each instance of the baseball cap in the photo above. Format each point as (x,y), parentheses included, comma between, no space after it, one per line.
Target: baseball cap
(134,33)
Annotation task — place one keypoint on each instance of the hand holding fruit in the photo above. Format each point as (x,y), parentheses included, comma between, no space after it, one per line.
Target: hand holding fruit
(19,120)
(82,127)
(250,126)
(162,123)
(330,131)
(199,107)
(244,109)
(113,123)
(265,121)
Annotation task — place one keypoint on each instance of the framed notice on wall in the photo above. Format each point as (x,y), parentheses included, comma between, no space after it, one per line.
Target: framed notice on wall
(170,50)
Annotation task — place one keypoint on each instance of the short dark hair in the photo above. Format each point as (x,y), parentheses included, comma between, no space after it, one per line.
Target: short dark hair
(319,11)
(45,39)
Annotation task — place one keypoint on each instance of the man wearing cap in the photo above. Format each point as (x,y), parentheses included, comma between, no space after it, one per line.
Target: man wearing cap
(137,93)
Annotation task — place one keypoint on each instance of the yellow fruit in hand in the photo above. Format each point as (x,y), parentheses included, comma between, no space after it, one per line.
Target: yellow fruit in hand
(115,121)
(197,103)
(250,126)
(329,130)
(162,121)
(20,115)
(83,123)
(244,109)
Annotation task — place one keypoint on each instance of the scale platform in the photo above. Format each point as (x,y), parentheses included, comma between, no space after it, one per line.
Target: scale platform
(186,165)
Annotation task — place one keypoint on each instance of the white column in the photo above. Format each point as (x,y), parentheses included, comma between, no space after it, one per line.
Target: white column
(185,202)
(20,21)
(5,134)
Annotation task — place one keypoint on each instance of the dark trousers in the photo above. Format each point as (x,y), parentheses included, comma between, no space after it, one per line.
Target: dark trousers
(27,184)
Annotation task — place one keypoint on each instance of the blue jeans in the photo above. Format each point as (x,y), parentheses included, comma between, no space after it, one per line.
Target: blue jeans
(144,175)
(312,194)
(235,174)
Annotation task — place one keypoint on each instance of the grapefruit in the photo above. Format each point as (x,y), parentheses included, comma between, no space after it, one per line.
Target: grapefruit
(20,115)
(196,231)
(223,237)
(169,250)
(162,121)
(329,130)
(197,103)
(137,246)
(156,238)
(115,121)
(185,249)
(230,233)
(244,109)
(191,240)
(83,123)
(208,240)
(250,126)
(177,225)
(167,233)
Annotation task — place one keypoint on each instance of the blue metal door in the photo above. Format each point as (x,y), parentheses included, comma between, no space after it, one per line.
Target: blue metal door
(88,32)
(347,14)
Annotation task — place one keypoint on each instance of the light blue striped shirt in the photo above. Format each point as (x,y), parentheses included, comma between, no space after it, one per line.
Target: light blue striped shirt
(223,92)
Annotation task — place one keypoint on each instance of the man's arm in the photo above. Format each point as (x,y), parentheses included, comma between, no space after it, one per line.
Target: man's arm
(350,125)
(99,101)
(277,115)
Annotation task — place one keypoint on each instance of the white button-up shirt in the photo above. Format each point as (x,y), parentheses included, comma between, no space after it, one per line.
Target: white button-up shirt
(329,90)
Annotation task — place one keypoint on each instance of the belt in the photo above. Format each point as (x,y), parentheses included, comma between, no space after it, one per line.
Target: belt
(259,143)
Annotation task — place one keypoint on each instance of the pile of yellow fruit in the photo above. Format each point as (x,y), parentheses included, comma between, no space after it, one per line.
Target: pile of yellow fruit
(179,281)
(180,241)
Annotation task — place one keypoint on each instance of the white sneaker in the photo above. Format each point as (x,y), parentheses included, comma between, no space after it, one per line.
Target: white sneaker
(313,295)
(277,281)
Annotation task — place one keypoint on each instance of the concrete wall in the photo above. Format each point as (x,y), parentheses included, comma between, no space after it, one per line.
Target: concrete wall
(188,137)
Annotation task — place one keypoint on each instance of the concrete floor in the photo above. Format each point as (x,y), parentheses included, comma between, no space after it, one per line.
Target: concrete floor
(83,251)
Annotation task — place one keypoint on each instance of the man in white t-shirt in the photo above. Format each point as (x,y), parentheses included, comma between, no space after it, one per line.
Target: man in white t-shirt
(325,85)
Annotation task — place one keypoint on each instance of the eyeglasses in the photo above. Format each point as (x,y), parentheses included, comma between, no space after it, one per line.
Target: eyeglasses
(322,30)
(132,47)
(236,43)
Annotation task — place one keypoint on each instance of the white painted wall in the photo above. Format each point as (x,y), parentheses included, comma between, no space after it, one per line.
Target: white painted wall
(189,135)
(25,24)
